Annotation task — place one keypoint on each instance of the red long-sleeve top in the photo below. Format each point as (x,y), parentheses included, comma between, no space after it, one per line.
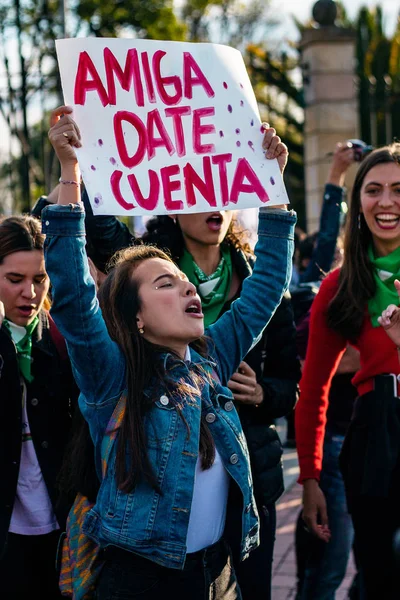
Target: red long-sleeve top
(378,354)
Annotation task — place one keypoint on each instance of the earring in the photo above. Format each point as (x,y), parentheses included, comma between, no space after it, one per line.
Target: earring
(141,330)
(359,221)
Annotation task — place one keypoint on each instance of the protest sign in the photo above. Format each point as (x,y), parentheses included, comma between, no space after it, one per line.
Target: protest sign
(167,127)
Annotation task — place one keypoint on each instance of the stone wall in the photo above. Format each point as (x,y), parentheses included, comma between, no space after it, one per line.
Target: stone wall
(331,113)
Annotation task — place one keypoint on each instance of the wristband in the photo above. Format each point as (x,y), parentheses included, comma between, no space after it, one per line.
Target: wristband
(66,182)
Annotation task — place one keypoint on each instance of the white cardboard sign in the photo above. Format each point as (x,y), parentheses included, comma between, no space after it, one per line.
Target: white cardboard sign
(167,127)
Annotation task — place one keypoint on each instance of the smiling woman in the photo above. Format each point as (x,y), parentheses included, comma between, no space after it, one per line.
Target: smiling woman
(347,310)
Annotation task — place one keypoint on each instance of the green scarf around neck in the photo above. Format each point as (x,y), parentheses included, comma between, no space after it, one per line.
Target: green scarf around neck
(213,289)
(386,270)
(24,348)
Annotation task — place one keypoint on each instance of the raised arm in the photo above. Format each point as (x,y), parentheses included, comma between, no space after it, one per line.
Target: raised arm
(105,234)
(98,364)
(324,251)
(239,329)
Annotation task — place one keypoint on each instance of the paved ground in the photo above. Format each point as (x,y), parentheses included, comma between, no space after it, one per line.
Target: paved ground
(284,568)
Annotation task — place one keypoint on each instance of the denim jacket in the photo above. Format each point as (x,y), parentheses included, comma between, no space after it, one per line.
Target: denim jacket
(144,521)
(328,231)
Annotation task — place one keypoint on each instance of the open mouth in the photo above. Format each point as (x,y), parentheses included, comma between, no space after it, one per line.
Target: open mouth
(387,220)
(215,221)
(194,308)
(26,310)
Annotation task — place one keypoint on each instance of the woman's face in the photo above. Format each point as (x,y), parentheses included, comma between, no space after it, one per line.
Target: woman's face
(23,285)
(380,205)
(170,314)
(208,229)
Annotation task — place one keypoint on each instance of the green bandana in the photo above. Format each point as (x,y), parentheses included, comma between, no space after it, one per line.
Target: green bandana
(212,289)
(24,349)
(386,270)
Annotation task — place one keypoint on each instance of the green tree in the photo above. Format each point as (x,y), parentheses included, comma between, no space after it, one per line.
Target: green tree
(153,19)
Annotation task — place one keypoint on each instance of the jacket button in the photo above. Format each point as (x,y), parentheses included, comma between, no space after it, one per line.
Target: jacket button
(228,406)
(234,459)
(164,400)
(45,445)
(34,401)
(210,417)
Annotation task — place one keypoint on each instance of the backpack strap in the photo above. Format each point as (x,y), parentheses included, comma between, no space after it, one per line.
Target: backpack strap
(111,432)
(58,340)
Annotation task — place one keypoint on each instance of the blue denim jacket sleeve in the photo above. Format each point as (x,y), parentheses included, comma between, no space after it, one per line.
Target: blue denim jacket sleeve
(240,328)
(97,361)
(324,252)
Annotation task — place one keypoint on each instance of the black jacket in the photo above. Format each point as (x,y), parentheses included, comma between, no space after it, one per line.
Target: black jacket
(275,362)
(50,399)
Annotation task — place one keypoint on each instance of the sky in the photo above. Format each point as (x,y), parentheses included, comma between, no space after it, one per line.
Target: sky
(302,9)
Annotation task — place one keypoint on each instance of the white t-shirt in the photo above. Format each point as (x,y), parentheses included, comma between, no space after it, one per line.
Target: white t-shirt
(32,512)
(209,503)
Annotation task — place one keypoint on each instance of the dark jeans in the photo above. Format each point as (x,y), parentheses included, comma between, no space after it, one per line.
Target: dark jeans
(255,573)
(207,575)
(28,567)
(325,564)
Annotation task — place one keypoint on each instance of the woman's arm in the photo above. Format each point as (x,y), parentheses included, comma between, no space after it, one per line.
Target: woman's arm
(98,364)
(328,230)
(239,329)
(324,352)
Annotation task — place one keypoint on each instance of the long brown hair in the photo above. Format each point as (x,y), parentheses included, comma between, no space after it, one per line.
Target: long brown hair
(21,234)
(356,281)
(120,303)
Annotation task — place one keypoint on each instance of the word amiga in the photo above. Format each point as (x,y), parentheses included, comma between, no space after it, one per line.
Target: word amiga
(142,78)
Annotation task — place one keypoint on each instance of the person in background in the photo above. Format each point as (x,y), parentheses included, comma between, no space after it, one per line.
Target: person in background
(347,310)
(316,252)
(176,399)
(321,567)
(37,395)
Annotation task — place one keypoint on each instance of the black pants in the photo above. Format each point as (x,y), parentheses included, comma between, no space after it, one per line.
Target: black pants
(254,574)
(370,464)
(28,568)
(376,521)
(207,575)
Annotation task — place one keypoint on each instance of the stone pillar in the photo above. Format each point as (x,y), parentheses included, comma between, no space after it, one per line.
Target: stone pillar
(331,106)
